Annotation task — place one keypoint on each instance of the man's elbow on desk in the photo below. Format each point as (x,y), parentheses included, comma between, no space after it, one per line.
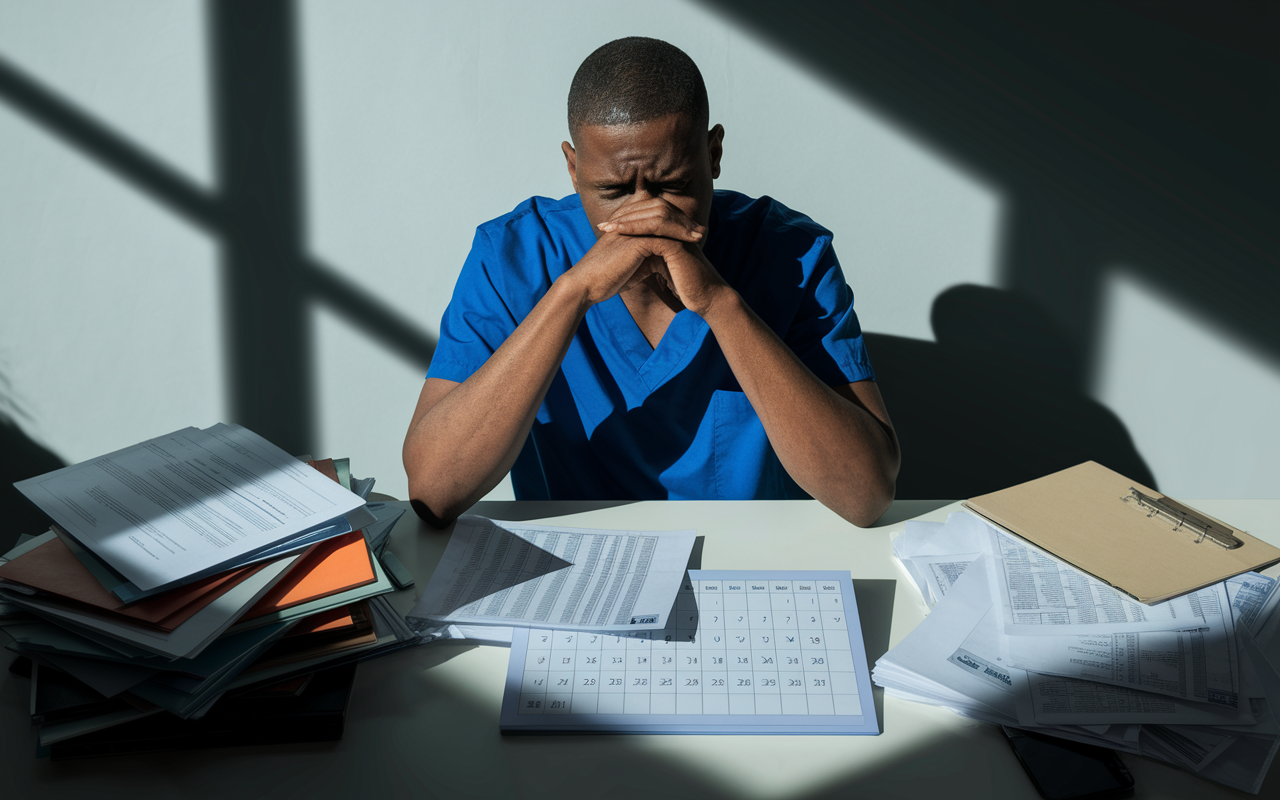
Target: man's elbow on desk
(872,508)
(435,498)
(863,493)
(432,508)
(860,501)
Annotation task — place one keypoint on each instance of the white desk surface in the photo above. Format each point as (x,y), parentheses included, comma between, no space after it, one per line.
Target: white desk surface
(425,722)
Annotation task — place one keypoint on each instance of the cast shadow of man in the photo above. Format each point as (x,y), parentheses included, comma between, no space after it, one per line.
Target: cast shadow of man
(23,458)
(998,400)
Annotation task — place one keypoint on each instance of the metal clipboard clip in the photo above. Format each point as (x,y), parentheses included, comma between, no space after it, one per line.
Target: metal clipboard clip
(1184,518)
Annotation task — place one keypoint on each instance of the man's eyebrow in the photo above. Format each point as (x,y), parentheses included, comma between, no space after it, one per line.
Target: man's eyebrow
(682,173)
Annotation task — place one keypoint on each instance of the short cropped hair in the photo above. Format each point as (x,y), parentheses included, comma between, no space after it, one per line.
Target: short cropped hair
(633,80)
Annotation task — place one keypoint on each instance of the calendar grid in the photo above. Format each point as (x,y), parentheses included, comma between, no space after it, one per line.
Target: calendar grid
(747,652)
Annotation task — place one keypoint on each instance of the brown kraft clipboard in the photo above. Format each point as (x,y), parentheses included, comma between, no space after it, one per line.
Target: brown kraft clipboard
(1147,545)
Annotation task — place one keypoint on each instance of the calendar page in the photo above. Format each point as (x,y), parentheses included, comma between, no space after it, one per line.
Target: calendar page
(748,652)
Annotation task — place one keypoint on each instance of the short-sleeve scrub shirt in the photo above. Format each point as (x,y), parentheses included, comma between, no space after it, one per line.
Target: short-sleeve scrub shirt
(622,419)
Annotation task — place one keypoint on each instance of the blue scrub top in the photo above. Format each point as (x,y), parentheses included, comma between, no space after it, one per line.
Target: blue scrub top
(623,420)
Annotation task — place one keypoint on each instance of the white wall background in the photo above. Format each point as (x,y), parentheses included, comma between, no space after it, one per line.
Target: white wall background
(422,119)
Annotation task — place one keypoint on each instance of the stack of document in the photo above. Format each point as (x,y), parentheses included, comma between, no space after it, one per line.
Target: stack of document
(201,587)
(1019,638)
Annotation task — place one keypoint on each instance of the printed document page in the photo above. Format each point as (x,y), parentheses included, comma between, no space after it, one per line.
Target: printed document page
(931,660)
(1198,664)
(1254,599)
(1043,596)
(180,504)
(935,554)
(1062,622)
(517,574)
(1054,700)
(942,572)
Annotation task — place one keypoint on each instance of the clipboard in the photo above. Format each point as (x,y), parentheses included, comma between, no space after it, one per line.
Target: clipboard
(1147,545)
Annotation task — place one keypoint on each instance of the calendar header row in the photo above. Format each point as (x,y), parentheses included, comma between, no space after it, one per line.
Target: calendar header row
(748,587)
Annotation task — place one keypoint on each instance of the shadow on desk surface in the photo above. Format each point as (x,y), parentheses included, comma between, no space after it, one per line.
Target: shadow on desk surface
(449,727)
(530,510)
(526,510)
(875,614)
(416,730)
(903,510)
(424,722)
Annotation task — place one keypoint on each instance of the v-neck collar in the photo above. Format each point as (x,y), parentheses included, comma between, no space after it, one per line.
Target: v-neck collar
(652,364)
(612,321)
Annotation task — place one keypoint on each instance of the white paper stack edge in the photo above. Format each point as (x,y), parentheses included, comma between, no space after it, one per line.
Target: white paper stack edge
(1016,637)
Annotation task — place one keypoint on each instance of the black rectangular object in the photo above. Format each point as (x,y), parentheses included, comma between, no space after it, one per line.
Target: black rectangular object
(1065,770)
(318,714)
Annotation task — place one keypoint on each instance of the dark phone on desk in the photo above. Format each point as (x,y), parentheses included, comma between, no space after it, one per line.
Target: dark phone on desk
(1066,770)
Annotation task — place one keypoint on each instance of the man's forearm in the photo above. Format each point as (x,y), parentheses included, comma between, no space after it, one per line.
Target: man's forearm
(463,443)
(465,437)
(839,452)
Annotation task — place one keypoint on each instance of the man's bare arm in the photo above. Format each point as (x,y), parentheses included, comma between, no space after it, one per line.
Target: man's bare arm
(837,443)
(464,437)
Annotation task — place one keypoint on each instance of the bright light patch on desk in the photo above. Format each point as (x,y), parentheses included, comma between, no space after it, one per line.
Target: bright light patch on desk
(1200,405)
(769,766)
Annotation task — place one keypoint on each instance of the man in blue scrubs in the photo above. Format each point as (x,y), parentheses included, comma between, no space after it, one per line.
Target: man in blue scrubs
(649,337)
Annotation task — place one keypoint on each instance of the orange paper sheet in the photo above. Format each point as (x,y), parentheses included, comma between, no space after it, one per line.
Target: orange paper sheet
(324,622)
(325,467)
(331,566)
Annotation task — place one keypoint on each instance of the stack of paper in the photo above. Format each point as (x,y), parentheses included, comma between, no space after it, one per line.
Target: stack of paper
(204,575)
(1019,638)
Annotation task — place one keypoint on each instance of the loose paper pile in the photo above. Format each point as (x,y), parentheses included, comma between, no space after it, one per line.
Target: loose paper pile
(204,575)
(206,588)
(1018,638)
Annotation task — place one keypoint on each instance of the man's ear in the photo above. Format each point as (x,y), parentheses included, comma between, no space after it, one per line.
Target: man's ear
(571,161)
(715,148)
